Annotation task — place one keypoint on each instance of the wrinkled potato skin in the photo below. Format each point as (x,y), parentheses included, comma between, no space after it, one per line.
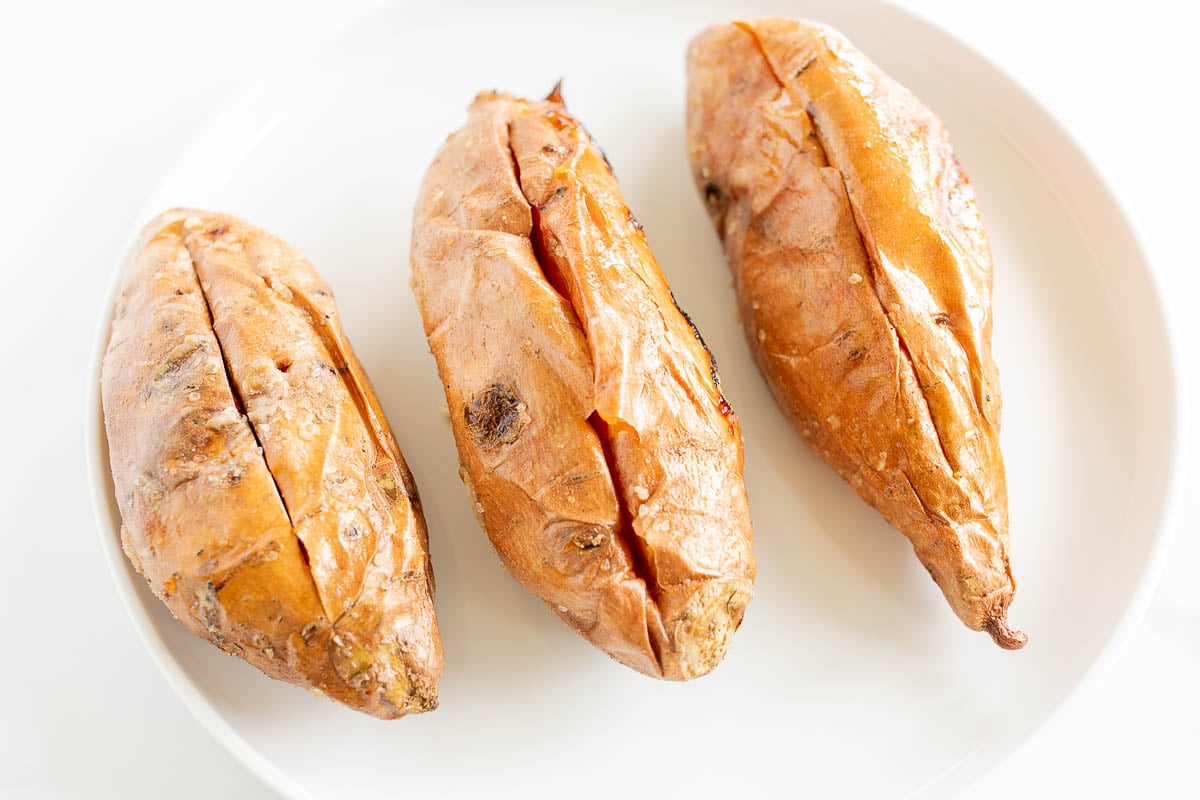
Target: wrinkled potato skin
(262,494)
(864,277)
(593,437)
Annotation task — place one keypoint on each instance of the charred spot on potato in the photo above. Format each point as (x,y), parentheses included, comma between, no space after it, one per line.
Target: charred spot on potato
(713,194)
(695,330)
(495,416)
(941,319)
(857,353)
(637,226)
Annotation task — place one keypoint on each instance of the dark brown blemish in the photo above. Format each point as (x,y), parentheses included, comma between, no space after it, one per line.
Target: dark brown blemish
(494,416)
(713,194)
(941,319)
(283,364)
(857,353)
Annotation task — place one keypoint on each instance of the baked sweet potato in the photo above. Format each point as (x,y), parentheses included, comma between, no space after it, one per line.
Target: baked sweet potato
(594,439)
(261,492)
(864,284)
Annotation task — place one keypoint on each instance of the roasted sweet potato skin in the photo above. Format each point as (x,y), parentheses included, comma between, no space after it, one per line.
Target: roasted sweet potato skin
(598,450)
(864,284)
(261,492)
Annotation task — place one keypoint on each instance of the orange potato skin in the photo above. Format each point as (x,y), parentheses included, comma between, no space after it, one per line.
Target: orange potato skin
(864,278)
(602,459)
(261,492)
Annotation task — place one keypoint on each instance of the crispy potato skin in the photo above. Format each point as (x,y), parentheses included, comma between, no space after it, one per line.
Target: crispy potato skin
(262,494)
(864,277)
(593,437)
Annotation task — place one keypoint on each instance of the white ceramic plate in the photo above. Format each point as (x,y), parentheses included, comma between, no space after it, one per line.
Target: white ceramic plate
(850,676)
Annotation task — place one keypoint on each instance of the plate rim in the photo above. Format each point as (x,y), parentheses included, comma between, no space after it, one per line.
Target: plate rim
(129,587)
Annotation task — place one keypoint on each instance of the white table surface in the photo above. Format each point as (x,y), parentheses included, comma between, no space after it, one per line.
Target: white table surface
(99,98)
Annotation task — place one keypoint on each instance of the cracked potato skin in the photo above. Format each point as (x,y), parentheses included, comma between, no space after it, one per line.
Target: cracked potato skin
(592,434)
(261,492)
(864,281)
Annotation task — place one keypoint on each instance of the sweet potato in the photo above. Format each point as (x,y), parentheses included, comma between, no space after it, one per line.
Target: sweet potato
(261,492)
(594,439)
(864,283)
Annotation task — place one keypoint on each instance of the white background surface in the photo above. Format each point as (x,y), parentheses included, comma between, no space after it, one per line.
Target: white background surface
(99,99)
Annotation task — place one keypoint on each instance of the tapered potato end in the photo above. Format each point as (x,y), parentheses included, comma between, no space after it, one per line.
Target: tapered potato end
(1006,637)
(704,630)
(864,282)
(209,473)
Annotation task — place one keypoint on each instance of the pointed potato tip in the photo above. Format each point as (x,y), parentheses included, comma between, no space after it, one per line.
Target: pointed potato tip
(997,626)
(555,95)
